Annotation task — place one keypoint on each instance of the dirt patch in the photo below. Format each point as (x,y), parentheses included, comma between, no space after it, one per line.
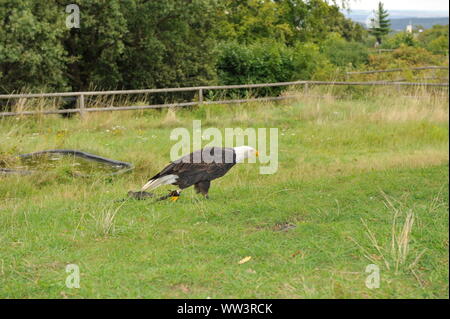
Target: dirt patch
(284,227)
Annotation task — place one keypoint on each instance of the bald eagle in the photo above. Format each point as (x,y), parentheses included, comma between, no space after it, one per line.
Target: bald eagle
(199,168)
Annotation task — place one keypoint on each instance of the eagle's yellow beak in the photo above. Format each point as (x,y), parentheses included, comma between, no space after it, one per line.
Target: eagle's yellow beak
(257,153)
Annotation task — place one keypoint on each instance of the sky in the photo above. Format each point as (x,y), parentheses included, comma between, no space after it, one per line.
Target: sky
(420,5)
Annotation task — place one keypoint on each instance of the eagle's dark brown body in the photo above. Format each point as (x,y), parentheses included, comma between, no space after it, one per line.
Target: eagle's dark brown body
(199,168)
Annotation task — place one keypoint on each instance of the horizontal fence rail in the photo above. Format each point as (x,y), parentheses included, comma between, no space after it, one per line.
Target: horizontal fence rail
(82,109)
(392,50)
(399,70)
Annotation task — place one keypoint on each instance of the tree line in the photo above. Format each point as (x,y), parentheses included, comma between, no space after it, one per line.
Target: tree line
(132,44)
(139,44)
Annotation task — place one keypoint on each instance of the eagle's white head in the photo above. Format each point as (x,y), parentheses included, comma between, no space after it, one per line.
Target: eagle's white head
(243,152)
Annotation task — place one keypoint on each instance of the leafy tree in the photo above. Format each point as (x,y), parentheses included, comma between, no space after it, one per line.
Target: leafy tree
(169,43)
(95,49)
(287,21)
(31,52)
(248,21)
(344,53)
(348,29)
(380,24)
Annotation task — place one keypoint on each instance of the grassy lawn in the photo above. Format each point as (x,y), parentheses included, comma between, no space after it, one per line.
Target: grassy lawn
(352,176)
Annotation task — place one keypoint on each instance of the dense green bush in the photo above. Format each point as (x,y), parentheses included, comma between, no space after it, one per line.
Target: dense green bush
(266,62)
(256,63)
(344,53)
(411,56)
(313,65)
(438,45)
(404,57)
(398,39)
(435,39)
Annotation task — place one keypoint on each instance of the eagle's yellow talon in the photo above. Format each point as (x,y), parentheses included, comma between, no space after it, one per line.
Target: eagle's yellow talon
(174,198)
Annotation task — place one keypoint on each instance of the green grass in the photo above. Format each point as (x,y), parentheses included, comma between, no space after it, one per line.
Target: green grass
(347,169)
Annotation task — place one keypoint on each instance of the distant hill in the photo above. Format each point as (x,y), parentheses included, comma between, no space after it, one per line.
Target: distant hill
(400,24)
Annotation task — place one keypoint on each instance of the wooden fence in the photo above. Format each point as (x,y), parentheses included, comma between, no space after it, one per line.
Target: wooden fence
(399,70)
(445,52)
(82,109)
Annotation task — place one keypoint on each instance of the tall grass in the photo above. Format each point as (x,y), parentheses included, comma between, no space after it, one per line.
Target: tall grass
(396,254)
(105,219)
(324,92)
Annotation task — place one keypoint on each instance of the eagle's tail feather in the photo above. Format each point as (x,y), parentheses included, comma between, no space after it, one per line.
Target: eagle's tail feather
(164,180)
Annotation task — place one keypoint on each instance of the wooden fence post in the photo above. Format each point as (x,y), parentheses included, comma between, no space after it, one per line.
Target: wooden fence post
(81,105)
(200,96)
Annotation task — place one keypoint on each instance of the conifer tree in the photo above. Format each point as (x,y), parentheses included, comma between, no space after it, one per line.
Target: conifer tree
(380,23)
